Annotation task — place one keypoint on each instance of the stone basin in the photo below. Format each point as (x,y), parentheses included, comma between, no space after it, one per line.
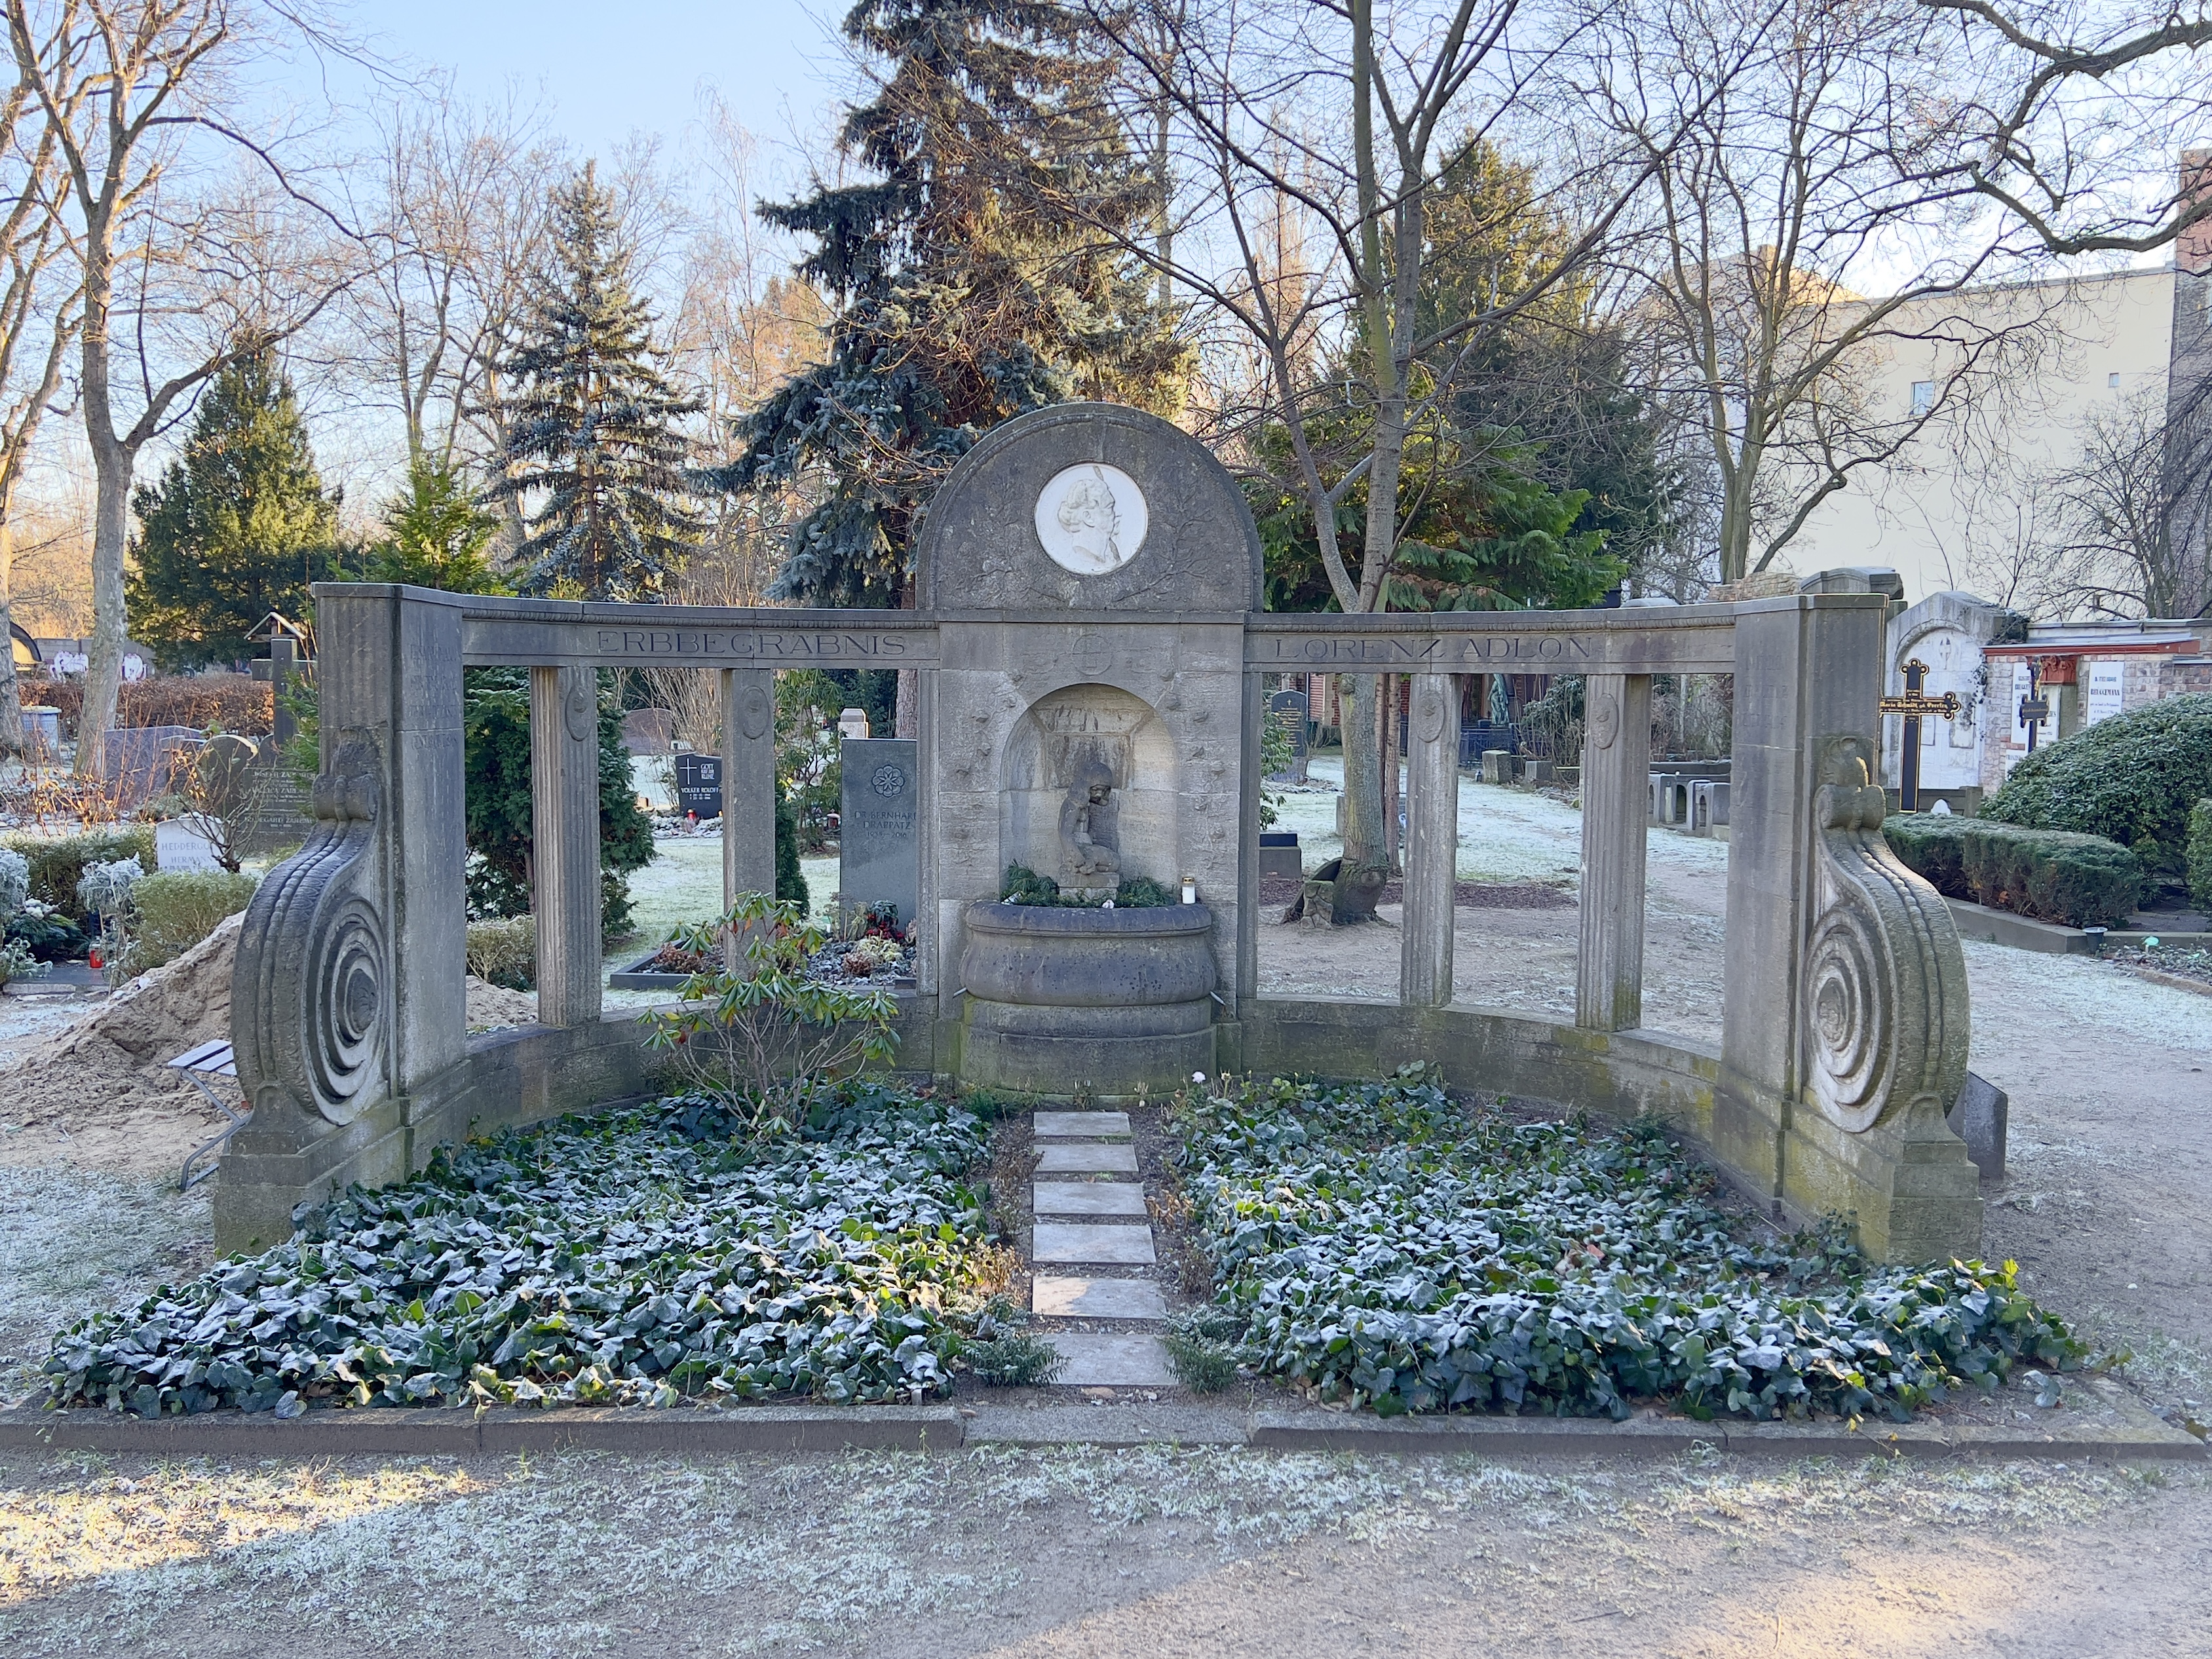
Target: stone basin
(1120,1000)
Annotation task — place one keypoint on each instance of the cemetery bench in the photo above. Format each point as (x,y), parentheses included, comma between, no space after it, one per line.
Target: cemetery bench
(210,1060)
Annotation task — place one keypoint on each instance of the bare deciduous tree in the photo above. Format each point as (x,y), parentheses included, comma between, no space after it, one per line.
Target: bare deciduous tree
(1781,175)
(38,318)
(190,257)
(1338,118)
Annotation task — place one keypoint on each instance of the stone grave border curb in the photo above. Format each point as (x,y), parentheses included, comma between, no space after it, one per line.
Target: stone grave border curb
(434,1431)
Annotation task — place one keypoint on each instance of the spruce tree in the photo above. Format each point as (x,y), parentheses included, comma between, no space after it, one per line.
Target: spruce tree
(239,525)
(592,443)
(434,535)
(974,277)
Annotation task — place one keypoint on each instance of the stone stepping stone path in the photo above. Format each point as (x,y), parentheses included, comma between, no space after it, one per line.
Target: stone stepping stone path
(1097,1222)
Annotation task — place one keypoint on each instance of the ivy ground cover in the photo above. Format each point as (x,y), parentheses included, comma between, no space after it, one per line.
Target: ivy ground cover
(1386,1244)
(662,1255)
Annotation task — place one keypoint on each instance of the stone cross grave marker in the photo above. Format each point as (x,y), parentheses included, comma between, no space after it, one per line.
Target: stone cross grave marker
(1914,705)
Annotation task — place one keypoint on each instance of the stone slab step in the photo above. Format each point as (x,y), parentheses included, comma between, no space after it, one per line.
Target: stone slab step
(1117,1197)
(1087,1157)
(1097,1298)
(1064,1241)
(1096,1359)
(1097,1126)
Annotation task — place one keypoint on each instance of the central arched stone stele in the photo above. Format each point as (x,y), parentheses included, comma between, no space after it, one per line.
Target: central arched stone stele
(1092,567)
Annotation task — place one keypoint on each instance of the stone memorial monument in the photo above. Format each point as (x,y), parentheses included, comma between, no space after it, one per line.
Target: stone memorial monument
(1089,657)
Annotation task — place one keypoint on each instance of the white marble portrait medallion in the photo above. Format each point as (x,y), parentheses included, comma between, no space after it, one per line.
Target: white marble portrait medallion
(1092,519)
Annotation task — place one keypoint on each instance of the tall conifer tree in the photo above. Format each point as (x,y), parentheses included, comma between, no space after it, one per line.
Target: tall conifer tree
(593,445)
(971,277)
(239,527)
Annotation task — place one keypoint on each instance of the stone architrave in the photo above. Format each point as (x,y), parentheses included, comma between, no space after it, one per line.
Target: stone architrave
(880,847)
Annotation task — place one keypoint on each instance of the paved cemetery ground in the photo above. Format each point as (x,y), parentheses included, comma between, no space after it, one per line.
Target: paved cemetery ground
(1141,1552)
(1149,1552)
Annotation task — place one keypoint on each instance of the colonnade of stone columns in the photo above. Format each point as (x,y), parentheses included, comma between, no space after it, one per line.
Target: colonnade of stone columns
(1609,974)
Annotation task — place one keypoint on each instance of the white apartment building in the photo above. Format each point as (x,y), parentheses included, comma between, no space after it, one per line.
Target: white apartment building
(1966,504)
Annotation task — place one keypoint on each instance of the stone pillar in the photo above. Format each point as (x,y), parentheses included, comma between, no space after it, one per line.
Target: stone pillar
(1425,970)
(748,781)
(1616,779)
(346,998)
(564,803)
(1844,1024)
(1248,845)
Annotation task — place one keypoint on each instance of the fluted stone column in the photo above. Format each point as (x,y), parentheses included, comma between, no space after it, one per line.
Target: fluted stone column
(1425,970)
(748,781)
(1616,771)
(564,810)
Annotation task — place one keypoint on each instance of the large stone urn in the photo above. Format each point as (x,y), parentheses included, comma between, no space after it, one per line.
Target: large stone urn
(1121,1000)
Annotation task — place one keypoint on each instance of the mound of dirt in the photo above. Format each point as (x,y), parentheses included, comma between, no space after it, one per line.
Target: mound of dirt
(99,1092)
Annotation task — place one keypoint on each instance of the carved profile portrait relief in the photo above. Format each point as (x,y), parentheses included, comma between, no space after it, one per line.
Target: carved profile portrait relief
(1092,519)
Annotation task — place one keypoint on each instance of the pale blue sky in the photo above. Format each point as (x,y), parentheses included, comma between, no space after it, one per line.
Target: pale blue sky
(612,69)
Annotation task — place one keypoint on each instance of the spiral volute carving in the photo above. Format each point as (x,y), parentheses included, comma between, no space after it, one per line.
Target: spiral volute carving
(1885,1005)
(310,995)
(346,993)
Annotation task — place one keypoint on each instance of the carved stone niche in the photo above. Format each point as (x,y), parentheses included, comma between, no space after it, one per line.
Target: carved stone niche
(1884,981)
(1054,746)
(311,993)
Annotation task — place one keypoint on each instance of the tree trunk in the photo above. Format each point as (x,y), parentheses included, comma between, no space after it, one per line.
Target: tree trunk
(1362,773)
(11,701)
(104,672)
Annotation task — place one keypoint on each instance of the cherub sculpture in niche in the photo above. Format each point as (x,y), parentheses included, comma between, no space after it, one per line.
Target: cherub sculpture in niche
(1089,843)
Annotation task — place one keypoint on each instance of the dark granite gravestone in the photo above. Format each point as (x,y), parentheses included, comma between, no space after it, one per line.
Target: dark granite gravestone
(699,785)
(142,762)
(279,807)
(878,858)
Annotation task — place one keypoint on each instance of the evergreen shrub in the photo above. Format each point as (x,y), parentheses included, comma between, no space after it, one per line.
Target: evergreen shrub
(505,952)
(648,1255)
(2200,855)
(170,914)
(1385,1245)
(2131,779)
(2079,881)
(57,862)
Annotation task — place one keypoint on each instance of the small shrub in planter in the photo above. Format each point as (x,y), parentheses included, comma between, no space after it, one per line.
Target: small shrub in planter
(2131,779)
(2079,881)
(2200,855)
(170,914)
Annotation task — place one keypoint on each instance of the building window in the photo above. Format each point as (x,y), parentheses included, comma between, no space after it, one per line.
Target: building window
(1924,395)
(2112,381)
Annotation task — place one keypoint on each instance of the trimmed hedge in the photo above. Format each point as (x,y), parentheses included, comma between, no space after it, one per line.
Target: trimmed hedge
(2200,855)
(234,703)
(2081,881)
(2131,779)
(57,862)
(170,914)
